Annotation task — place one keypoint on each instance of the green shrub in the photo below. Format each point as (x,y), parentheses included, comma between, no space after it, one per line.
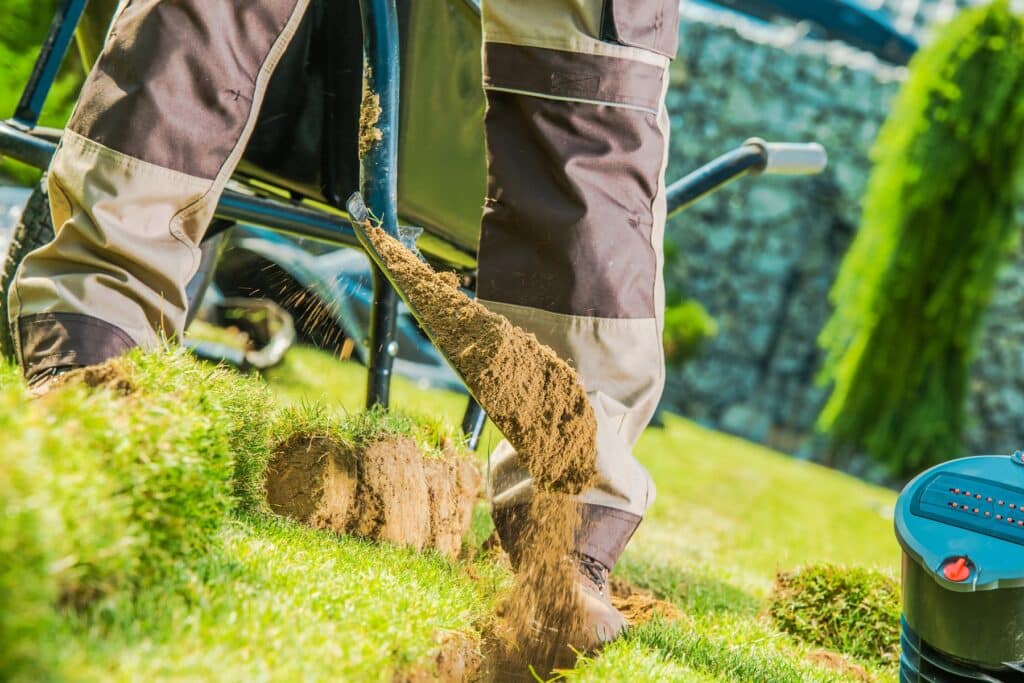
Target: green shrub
(687,326)
(938,223)
(854,611)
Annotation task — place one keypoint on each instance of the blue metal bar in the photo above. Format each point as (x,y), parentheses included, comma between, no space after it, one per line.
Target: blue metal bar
(300,221)
(473,422)
(838,20)
(62,32)
(378,181)
(16,144)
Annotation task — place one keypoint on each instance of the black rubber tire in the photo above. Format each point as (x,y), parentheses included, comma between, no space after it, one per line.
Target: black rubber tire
(33,231)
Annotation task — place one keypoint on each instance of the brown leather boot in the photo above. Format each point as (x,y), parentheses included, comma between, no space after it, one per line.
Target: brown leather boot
(602,536)
(602,623)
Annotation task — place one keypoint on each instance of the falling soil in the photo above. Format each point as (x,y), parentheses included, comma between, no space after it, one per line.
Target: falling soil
(530,394)
(538,403)
(541,619)
(840,664)
(387,492)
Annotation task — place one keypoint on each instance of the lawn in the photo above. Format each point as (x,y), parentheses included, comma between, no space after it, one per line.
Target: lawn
(250,596)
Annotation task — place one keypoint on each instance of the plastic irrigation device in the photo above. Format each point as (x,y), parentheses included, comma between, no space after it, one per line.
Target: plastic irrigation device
(961,526)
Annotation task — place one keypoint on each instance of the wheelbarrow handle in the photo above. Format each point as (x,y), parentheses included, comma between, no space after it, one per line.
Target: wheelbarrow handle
(754,157)
(790,158)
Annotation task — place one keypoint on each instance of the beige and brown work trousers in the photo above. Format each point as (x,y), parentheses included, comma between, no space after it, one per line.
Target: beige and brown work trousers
(570,249)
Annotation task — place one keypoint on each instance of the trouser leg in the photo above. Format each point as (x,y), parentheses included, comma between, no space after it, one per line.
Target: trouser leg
(161,123)
(571,247)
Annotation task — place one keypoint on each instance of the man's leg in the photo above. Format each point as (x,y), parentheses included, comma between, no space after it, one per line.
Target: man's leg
(160,125)
(571,249)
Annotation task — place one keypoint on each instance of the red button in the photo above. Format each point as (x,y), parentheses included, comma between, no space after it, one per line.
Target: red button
(957,570)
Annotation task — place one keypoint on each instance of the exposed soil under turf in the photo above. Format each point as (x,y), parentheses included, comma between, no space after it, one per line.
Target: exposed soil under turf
(538,403)
(457,659)
(387,492)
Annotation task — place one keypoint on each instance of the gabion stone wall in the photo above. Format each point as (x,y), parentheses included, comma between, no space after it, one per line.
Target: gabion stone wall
(761,255)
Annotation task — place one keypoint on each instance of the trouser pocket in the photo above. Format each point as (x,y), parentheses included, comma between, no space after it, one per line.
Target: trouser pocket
(648,24)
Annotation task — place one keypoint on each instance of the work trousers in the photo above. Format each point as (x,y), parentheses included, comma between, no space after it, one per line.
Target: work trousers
(571,243)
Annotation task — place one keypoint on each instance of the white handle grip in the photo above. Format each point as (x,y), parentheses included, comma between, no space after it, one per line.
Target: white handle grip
(792,158)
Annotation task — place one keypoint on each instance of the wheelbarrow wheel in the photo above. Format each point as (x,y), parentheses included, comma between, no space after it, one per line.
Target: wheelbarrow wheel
(35,229)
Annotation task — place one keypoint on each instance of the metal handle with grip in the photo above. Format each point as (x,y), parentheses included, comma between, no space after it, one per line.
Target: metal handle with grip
(791,158)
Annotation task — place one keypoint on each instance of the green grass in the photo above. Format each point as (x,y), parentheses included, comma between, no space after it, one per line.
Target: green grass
(266,600)
(279,602)
(362,428)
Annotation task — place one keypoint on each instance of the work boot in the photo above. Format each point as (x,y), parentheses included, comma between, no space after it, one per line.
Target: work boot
(602,623)
(43,383)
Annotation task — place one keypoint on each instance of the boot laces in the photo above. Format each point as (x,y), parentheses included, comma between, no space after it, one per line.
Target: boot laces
(594,570)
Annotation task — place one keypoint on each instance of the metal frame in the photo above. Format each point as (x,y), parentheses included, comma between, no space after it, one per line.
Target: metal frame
(21,140)
(378,183)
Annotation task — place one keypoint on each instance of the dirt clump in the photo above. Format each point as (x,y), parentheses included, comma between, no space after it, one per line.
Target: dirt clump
(538,403)
(110,375)
(388,491)
(369,116)
(840,664)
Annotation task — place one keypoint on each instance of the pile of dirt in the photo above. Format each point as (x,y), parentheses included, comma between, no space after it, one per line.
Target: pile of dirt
(538,403)
(640,606)
(388,491)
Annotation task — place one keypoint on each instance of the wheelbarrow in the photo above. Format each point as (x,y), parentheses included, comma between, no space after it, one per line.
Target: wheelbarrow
(423,60)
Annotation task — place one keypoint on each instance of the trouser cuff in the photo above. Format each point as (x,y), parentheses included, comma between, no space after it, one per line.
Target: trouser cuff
(49,341)
(603,533)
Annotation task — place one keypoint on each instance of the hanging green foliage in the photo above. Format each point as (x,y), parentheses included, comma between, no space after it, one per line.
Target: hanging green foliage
(939,220)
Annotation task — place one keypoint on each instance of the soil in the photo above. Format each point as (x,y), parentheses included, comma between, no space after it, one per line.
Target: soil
(109,375)
(369,115)
(458,659)
(388,491)
(542,618)
(538,403)
(837,662)
(639,606)
(532,396)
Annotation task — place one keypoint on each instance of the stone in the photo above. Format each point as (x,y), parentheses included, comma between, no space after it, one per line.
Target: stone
(746,421)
